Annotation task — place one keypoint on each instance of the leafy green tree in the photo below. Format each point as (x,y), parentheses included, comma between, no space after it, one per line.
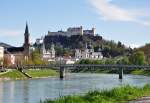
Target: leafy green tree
(124,60)
(110,61)
(36,57)
(98,62)
(85,61)
(59,50)
(138,58)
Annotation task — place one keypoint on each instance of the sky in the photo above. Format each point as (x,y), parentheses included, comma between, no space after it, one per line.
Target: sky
(127,21)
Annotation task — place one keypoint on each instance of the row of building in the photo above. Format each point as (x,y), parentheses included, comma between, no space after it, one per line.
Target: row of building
(15,55)
(74,31)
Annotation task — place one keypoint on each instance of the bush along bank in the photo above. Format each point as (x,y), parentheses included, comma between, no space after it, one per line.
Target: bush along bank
(116,95)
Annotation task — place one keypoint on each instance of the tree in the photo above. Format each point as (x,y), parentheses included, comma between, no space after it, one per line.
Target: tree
(98,62)
(59,50)
(36,57)
(110,61)
(138,58)
(124,60)
(85,61)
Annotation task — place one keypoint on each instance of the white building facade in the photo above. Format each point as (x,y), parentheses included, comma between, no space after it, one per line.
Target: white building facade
(88,53)
(48,55)
(1,55)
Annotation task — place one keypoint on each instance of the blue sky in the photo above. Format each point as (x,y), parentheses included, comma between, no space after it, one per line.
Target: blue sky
(127,21)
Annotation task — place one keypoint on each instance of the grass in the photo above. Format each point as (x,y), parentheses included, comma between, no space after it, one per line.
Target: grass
(42,73)
(141,72)
(13,74)
(116,95)
(135,72)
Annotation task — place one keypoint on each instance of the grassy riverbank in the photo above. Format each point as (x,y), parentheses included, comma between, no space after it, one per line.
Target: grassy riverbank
(141,72)
(135,72)
(41,73)
(15,74)
(116,95)
(12,74)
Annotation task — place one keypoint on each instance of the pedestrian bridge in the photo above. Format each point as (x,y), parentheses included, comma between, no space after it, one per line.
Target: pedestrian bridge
(63,67)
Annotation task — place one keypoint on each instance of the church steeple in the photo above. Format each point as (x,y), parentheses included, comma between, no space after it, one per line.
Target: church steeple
(26,29)
(26,41)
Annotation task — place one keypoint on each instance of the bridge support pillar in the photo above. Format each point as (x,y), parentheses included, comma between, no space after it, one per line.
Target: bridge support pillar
(62,72)
(120,73)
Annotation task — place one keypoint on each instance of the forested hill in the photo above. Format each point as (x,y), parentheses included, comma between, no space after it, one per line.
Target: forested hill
(66,45)
(145,49)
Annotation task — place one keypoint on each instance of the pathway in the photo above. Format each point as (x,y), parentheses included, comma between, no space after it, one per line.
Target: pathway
(141,100)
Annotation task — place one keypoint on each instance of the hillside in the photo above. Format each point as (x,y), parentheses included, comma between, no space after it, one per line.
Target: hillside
(66,45)
(146,50)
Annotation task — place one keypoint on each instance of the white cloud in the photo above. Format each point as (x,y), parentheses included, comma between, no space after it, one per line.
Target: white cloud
(6,32)
(109,11)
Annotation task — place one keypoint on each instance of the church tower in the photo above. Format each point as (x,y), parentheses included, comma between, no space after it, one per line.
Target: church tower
(26,42)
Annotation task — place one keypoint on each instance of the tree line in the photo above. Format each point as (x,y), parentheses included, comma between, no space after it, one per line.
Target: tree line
(137,58)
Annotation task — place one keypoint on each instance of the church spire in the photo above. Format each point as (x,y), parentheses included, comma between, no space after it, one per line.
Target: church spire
(26,29)
(26,41)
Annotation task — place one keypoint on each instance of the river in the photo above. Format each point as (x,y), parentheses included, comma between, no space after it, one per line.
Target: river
(34,90)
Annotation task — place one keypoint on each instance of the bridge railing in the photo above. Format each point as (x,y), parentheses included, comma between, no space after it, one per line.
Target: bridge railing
(89,65)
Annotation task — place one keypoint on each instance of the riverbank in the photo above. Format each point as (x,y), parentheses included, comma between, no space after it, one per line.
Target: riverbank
(141,72)
(15,74)
(41,73)
(116,95)
(134,72)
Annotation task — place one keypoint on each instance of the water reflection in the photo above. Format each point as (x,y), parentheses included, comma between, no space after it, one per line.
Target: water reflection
(34,90)
(26,91)
(1,92)
(12,86)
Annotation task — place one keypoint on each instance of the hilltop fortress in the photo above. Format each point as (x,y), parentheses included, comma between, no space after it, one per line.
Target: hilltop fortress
(74,31)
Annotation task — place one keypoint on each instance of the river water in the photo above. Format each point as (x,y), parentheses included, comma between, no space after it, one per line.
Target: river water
(34,90)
